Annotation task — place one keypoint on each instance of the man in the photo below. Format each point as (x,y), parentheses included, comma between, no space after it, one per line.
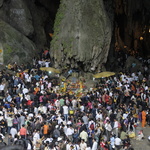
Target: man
(83,145)
(95,145)
(115,128)
(9,121)
(22,119)
(10,139)
(70,132)
(118,143)
(23,132)
(45,129)
(85,120)
(108,129)
(143,118)
(13,131)
(83,135)
(65,112)
(36,137)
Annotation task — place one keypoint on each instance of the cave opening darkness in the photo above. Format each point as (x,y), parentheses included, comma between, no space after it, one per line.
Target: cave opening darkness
(134,27)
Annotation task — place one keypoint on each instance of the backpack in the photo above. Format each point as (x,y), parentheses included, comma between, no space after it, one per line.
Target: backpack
(92,126)
(15,121)
(119,125)
(21,142)
(55,134)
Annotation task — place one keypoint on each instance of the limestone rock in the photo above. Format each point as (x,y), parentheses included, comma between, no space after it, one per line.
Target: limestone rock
(16,47)
(1,3)
(82,35)
(18,15)
(39,16)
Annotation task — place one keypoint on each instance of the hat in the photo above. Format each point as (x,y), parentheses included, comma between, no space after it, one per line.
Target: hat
(56,126)
(39,141)
(59,139)
(49,140)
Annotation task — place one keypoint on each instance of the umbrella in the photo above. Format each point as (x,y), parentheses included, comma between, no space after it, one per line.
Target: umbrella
(50,69)
(26,70)
(103,74)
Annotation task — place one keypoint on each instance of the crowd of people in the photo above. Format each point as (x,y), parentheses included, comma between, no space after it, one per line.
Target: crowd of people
(34,113)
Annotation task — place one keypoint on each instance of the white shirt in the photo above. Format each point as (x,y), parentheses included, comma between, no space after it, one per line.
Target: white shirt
(69,131)
(2,86)
(9,121)
(13,132)
(74,103)
(116,124)
(108,127)
(99,116)
(117,141)
(94,146)
(82,108)
(83,146)
(65,109)
(35,138)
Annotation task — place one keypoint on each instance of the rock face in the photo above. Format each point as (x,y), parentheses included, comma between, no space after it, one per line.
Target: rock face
(84,30)
(18,15)
(1,2)
(26,28)
(82,35)
(16,47)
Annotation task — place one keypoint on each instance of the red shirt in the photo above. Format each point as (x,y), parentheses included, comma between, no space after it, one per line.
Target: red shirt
(23,131)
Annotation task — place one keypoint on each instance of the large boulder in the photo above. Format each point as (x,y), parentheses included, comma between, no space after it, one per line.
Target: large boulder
(16,47)
(82,35)
(18,15)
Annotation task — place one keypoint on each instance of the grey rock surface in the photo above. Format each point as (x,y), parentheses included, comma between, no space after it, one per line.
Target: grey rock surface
(16,47)
(18,15)
(82,34)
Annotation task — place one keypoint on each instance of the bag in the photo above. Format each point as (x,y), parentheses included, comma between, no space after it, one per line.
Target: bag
(71,112)
(131,134)
(55,134)
(119,125)
(92,126)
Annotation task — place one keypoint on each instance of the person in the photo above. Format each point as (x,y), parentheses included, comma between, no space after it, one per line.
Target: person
(9,121)
(108,129)
(70,132)
(83,145)
(36,137)
(83,135)
(23,132)
(13,131)
(95,145)
(56,132)
(118,143)
(140,135)
(112,142)
(65,112)
(115,128)
(45,129)
(143,118)
(10,139)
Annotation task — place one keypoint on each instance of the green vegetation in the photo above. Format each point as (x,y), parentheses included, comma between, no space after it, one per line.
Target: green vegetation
(8,51)
(57,24)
